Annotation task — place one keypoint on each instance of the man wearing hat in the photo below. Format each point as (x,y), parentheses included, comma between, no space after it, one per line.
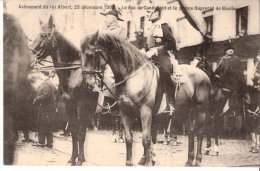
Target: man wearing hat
(231,80)
(112,27)
(111,23)
(46,112)
(162,44)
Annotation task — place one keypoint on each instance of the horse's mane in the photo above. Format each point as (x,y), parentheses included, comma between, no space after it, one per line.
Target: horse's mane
(15,41)
(67,48)
(119,50)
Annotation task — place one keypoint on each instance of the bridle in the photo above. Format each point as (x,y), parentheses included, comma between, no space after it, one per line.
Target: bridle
(98,73)
(43,49)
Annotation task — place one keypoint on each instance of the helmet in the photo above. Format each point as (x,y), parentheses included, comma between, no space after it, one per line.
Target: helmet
(113,12)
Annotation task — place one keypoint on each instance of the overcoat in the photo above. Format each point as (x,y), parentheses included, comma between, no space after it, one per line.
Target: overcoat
(46,102)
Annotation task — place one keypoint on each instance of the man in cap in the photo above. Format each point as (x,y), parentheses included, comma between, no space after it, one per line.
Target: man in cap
(162,44)
(231,80)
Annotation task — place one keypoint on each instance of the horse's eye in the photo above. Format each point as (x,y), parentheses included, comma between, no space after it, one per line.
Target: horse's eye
(49,34)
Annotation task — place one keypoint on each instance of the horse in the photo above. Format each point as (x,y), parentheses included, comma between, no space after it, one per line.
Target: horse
(79,102)
(17,87)
(214,119)
(139,92)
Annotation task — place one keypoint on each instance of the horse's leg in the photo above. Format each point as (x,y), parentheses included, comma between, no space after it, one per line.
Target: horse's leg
(74,132)
(215,121)
(146,119)
(209,130)
(200,128)
(82,132)
(216,127)
(173,130)
(190,131)
(120,131)
(165,125)
(127,121)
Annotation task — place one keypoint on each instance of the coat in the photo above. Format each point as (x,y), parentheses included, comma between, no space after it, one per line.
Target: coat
(162,39)
(230,72)
(46,102)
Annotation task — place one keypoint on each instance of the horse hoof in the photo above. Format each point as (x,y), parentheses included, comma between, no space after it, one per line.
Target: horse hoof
(79,163)
(121,140)
(173,143)
(197,164)
(129,163)
(72,162)
(150,163)
(142,161)
(188,164)
(207,152)
(214,153)
(165,143)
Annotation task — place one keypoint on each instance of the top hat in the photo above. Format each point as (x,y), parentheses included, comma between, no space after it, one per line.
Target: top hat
(113,12)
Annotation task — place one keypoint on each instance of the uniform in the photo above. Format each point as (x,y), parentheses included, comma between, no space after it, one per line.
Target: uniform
(231,81)
(46,113)
(230,73)
(161,41)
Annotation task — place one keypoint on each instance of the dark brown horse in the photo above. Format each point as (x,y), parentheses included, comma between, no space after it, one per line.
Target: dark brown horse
(17,88)
(80,103)
(139,91)
(213,122)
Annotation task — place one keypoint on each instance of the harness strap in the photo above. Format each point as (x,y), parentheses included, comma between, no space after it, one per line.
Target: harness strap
(47,68)
(128,77)
(117,98)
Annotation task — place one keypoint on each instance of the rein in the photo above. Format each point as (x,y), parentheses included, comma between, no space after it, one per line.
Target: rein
(44,45)
(46,68)
(129,77)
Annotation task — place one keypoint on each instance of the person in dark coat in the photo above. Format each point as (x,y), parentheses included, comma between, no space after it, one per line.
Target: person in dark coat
(161,44)
(231,78)
(46,113)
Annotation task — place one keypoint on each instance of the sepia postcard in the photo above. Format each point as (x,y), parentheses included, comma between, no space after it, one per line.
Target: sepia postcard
(164,83)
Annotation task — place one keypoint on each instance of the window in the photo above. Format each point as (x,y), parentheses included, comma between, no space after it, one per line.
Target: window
(241,21)
(142,23)
(209,25)
(128,28)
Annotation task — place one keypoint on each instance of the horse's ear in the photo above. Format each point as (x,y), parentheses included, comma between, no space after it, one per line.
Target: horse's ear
(51,24)
(96,35)
(94,38)
(40,21)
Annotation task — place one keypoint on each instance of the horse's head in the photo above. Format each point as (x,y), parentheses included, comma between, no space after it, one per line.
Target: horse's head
(45,43)
(93,59)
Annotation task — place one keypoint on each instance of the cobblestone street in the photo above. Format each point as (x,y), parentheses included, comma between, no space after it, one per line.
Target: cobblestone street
(100,150)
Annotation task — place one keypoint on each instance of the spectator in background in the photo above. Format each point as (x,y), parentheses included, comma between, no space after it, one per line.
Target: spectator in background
(46,100)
